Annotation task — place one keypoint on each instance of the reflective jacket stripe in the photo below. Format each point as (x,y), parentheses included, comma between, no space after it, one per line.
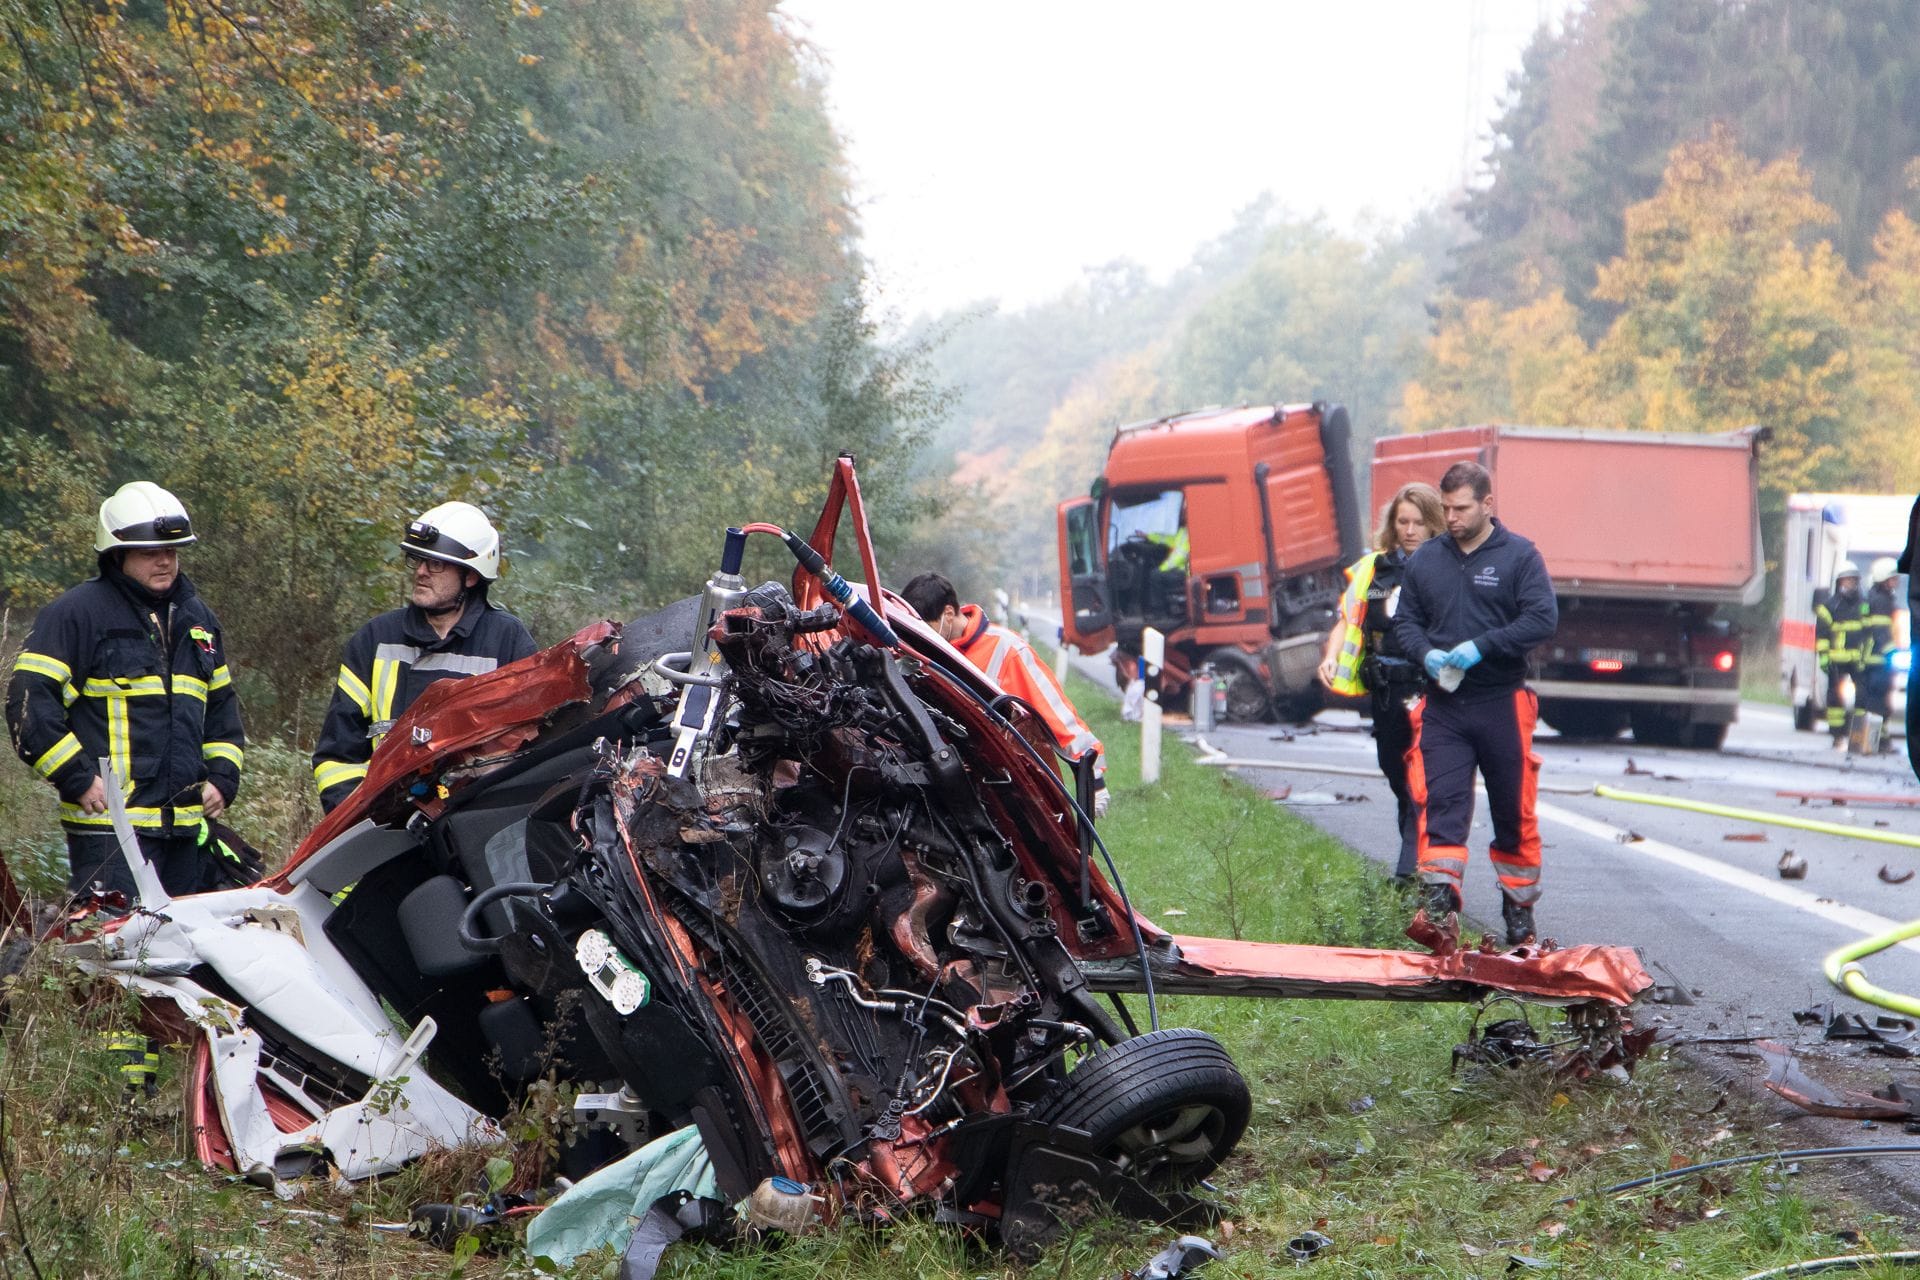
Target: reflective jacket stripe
(223,751)
(1353,641)
(331,773)
(184,815)
(356,690)
(42,665)
(57,755)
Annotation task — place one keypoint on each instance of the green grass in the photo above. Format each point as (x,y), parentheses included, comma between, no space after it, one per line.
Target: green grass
(1359,1129)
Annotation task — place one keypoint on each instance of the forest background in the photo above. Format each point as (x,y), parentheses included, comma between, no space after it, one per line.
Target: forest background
(317,264)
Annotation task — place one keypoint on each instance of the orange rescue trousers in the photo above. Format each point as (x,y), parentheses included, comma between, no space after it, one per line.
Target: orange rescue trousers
(1451,739)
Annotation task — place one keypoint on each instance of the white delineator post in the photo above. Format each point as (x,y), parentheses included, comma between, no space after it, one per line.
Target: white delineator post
(1153,648)
(1060,655)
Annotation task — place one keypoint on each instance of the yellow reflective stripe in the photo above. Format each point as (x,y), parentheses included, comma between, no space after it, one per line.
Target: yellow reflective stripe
(221,678)
(386,685)
(184,815)
(57,756)
(192,686)
(331,773)
(41,664)
(351,685)
(120,743)
(223,751)
(124,687)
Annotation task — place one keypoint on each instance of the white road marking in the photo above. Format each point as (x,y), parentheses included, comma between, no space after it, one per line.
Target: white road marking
(1856,918)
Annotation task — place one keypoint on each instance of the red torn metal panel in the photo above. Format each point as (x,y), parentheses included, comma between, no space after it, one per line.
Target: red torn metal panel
(1218,966)
(501,710)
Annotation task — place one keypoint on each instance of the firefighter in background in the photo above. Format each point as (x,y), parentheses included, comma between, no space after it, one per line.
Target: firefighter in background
(1839,637)
(1875,691)
(130,666)
(1905,565)
(448,630)
(1364,657)
(1472,605)
(1010,663)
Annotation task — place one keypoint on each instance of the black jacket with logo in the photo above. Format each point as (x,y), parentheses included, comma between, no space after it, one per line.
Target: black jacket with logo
(113,671)
(386,666)
(1500,597)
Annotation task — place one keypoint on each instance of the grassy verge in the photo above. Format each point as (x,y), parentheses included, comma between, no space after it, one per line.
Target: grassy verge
(1359,1130)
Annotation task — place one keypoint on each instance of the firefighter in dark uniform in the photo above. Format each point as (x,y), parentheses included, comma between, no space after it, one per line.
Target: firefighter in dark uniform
(1839,639)
(448,630)
(1471,607)
(1905,565)
(1364,656)
(1875,693)
(130,667)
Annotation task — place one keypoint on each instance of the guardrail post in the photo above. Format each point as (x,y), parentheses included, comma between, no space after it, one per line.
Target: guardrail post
(1153,655)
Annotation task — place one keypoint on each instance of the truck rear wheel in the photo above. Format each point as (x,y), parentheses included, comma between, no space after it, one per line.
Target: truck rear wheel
(1247,697)
(1658,726)
(1707,737)
(1584,720)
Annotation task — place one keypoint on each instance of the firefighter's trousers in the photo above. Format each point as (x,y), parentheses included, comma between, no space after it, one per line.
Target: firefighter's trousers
(1451,740)
(1838,673)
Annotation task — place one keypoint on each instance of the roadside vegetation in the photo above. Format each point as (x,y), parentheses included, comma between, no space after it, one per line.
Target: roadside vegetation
(1360,1130)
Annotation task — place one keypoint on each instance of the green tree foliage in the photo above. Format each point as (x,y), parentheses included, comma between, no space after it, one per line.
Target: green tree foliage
(318,264)
(1597,108)
(1733,308)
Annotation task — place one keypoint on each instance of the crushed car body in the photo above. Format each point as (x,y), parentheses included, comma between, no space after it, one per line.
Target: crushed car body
(774,863)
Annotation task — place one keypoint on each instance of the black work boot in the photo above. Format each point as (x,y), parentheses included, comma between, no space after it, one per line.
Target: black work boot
(1437,900)
(1519,918)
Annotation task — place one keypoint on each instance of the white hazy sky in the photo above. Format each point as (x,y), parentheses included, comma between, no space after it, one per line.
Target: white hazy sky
(999,147)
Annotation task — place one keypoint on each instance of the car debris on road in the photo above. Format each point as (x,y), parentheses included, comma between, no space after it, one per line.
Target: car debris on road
(773,865)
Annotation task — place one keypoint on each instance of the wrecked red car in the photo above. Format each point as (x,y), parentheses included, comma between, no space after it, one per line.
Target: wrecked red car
(773,863)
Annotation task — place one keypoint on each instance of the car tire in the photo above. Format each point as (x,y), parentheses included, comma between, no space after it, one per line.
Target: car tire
(1166,1107)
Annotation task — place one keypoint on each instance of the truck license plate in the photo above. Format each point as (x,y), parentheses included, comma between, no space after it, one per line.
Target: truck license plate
(1626,657)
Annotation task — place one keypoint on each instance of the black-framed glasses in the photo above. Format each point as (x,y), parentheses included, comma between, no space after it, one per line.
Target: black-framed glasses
(432,564)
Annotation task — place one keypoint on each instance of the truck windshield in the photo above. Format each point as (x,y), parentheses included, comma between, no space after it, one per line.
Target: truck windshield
(1153,515)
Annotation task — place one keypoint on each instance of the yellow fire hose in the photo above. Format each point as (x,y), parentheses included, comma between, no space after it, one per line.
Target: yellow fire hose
(1842,967)
(1758,815)
(1843,970)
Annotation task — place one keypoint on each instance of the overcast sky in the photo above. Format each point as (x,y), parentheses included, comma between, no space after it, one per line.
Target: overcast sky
(1002,146)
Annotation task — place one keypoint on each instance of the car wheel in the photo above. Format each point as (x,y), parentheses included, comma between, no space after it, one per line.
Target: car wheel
(1166,1107)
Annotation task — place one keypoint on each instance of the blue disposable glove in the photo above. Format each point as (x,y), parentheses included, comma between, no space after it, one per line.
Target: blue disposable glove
(1464,655)
(1436,659)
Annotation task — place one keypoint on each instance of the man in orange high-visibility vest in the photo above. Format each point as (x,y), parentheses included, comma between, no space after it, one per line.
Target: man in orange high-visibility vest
(1011,663)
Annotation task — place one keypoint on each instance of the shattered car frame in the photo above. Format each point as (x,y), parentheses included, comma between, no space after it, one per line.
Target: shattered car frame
(773,863)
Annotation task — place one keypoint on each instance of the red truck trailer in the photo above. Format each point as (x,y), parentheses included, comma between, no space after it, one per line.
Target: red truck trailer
(1648,536)
(1226,530)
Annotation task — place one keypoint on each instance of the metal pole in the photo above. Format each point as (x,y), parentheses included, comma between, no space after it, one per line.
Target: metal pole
(1153,651)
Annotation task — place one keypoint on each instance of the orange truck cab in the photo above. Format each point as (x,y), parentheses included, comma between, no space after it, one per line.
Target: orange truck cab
(1228,530)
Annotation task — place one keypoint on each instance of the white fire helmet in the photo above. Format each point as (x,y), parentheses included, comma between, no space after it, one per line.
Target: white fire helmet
(1884,568)
(141,514)
(458,533)
(1847,569)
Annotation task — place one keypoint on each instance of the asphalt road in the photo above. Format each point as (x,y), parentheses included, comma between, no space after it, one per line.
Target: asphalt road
(1711,915)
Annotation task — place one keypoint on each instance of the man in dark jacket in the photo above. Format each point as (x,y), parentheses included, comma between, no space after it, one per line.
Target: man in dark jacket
(129,667)
(448,631)
(1472,605)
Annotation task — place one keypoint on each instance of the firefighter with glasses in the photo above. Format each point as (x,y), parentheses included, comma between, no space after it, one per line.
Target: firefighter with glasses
(448,630)
(130,667)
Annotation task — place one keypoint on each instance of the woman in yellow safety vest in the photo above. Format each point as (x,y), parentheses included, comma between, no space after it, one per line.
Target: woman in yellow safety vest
(1363,657)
